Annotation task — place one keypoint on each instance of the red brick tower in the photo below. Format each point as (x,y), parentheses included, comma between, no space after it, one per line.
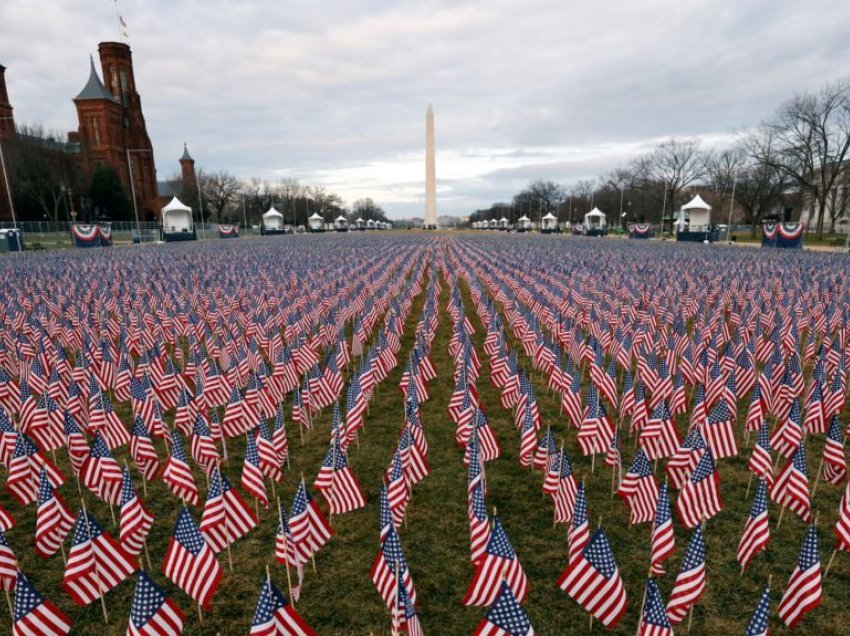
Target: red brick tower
(187,170)
(112,127)
(7,129)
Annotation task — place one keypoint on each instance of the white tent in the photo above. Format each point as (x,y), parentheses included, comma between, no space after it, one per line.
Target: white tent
(272,220)
(503,223)
(341,223)
(595,220)
(176,217)
(493,224)
(360,223)
(316,222)
(524,222)
(700,213)
(549,222)
(370,224)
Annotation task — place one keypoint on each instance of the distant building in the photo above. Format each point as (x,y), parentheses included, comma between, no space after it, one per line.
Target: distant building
(111,131)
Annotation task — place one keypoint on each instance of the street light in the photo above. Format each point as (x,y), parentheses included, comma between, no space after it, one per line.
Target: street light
(6,177)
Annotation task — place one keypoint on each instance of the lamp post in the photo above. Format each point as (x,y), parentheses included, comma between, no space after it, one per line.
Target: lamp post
(133,188)
(6,177)
(731,205)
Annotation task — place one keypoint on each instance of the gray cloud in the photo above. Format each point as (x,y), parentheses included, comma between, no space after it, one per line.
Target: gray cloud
(334,92)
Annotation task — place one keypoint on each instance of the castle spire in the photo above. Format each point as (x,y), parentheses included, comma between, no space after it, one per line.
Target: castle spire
(94,88)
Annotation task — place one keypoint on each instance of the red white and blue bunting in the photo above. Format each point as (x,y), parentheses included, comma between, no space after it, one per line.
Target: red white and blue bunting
(228,231)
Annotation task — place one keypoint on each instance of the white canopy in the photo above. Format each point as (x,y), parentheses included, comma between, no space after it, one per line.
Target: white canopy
(700,213)
(550,217)
(524,218)
(316,222)
(696,204)
(272,214)
(341,219)
(273,220)
(315,216)
(176,217)
(595,219)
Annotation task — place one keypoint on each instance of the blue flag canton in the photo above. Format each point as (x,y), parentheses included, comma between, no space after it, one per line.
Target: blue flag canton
(499,544)
(795,414)
(799,459)
(834,433)
(128,493)
(385,516)
(580,508)
(763,439)
(252,455)
(396,470)
(187,534)
(479,508)
(661,412)
(300,501)
(507,614)
(640,465)
(654,612)
(565,465)
(695,554)
(391,549)
(720,413)
(27,598)
(99,448)
(148,597)
(598,553)
(45,488)
(705,467)
(760,500)
(87,528)
(809,554)
(662,508)
(271,600)
(759,622)
(177,451)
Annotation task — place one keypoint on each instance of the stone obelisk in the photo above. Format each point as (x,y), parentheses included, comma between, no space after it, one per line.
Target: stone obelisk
(430,172)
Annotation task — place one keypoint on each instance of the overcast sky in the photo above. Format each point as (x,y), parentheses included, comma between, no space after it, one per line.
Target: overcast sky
(334,92)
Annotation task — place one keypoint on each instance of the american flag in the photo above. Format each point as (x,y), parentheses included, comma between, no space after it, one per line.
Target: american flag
(53,520)
(594,582)
(479,525)
(500,563)
(760,622)
(25,470)
(226,516)
(337,482)
(561,485)
(190,563)
(788,435)
(252,476)
(152,613)
(756,533)
(719,431)
(270,462)
(834,463)
(699,499)
(842,526)
(136,521)
(654,621)
(388,567)
(578,535)
(96,562)
(177,475)
(505,617)
(101,473)
(34,614)
(310,529)
(761,462)
(805,588)
(8,565)
(142,450)
(405,617)
(659,438)
(791,488)
(639,489)
(663,538)
(274,616)
(690,583)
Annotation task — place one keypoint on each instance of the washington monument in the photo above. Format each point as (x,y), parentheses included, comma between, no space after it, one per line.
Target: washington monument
(430,172)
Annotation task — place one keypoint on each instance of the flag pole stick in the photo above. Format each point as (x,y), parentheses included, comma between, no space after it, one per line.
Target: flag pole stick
(817,479)
(690,618)
(9,602)
(829,564)
(781,512)
(643,605)
(96,572)
(395,625)
(286,556)
(313,555)
(749,483)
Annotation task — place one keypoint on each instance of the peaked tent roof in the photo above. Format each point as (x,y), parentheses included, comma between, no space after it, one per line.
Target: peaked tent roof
(340,218)
(94,88)
(315,215)
(271,212)
(595,212)
(550,217)
(176,204)
(524,218)
(696,204)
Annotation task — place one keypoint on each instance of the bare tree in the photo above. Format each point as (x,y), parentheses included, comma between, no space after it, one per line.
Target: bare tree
(41,170)
(220,190)
(258,197)
(287,192)
(670,168)
(328,203)
(812,133)
(367,209)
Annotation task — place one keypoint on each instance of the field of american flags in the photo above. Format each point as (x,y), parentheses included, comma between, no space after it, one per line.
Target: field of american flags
(441,286)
